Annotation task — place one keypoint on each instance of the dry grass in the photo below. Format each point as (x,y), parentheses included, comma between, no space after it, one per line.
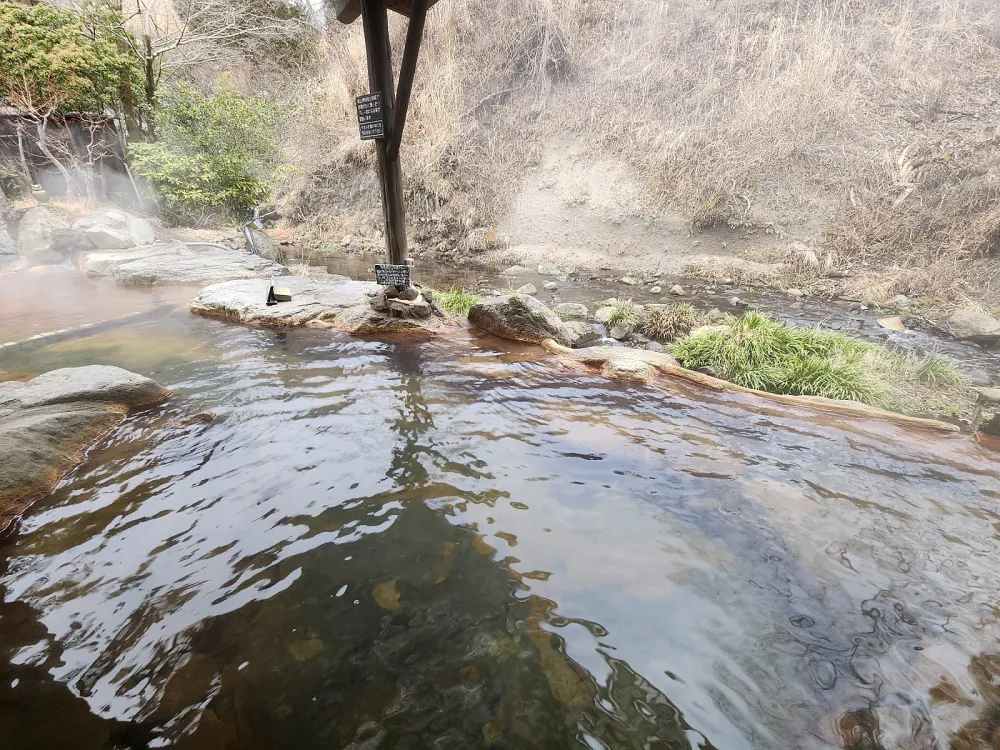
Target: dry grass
(870,126)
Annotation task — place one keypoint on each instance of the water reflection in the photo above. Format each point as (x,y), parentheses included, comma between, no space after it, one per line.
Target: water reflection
(391,544)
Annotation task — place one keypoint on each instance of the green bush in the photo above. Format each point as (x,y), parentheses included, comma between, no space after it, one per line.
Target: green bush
(216,154)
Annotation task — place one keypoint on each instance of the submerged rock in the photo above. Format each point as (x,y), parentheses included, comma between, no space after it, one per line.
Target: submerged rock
(969,324)
(332,300)
(47,423)
(518,317)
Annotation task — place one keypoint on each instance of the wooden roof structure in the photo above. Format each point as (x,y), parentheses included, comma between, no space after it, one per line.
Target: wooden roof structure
(348,11)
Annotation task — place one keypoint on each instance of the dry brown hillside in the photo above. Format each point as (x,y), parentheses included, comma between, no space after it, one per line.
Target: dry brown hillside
(869,129)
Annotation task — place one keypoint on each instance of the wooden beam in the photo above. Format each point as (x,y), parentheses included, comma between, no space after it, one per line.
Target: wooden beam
(407,70)
(348,11)
(375,18)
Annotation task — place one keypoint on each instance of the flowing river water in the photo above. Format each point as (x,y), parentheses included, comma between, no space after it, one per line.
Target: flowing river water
(461,543)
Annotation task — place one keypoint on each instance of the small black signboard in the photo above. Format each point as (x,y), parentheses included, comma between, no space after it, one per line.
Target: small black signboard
(370,117)
(386,275)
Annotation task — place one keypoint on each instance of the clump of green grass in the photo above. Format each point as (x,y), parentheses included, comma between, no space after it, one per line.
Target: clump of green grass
(937,369)
(456,301)
(670,323)
(623,311)
(757,352)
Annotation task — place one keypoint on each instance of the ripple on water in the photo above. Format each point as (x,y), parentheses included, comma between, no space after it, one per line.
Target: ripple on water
(422,545)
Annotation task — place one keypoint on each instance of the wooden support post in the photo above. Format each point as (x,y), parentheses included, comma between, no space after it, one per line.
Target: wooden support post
(407,69)
(374,16)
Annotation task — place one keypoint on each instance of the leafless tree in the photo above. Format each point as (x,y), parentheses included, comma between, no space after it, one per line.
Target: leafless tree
(167,35)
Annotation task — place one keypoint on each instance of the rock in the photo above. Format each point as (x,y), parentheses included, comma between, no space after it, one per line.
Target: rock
(582,333)
(629,280)
(726,281)
(7,244)
(797,293)
(603,314)
(550,286)
(267,247)
(654,346)
(34,233)
(518,317)
(96,264)
(346,241)
(628,369)
(894,323)
(179,264)
(549,269)
(737,302)
(969,324)
(990,396)
(334,301)
(514,271)
(656,290)
(107,238)
(677,290)
(115,230)
(527,289)
(409,294)
(621,331)
(571,311)
(901,301)
(977,377)
(47,423)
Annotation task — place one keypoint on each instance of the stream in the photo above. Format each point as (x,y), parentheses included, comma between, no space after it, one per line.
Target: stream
(463,543)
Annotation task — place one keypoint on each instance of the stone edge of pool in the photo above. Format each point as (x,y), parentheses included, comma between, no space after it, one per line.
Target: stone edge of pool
(48,423)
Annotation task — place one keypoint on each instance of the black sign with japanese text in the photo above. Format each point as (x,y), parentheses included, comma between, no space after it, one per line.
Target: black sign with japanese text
(386,275)
(371,119)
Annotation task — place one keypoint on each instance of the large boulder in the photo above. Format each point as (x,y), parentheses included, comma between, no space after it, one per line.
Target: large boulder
(115,230)
(266,245)
(331,300)
(161,265)
(518,317)
(970,324)
(47,423)
(35,233)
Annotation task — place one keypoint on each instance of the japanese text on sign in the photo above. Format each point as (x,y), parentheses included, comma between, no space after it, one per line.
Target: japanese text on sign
(371,120)
(386,275)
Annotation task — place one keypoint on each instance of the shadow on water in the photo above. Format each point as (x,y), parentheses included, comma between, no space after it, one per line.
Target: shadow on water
(391,544)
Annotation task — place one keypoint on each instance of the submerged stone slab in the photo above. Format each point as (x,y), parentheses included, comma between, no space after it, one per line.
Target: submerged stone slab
(331,300)
(47,423)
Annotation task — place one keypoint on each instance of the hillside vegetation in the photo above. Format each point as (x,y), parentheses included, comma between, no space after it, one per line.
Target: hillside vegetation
(868,128)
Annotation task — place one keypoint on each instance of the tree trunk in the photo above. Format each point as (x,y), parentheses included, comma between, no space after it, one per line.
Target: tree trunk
(149,70)
(43,146)
(20,153)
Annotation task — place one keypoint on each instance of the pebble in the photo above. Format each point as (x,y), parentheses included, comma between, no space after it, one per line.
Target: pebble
(797,293)
(901,300)
(737,302)
(550,286)
(677,290)
(629,280)
(655,290)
